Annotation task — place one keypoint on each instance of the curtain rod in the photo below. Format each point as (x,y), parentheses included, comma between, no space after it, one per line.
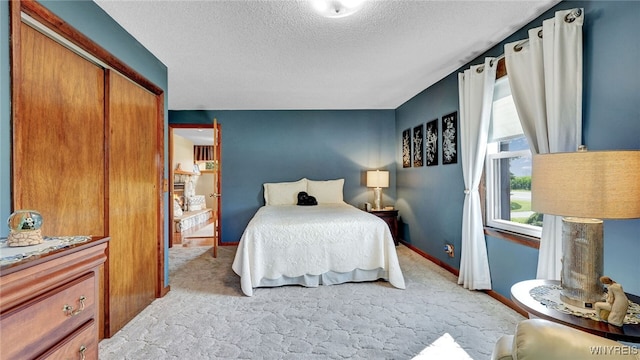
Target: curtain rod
(570,17)
(497,58)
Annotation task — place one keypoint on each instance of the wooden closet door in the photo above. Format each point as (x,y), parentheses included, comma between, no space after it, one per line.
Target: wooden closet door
(134,206)
(58,137)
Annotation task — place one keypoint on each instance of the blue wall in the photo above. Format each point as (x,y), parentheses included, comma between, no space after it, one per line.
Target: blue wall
(93,22)
(274,146)
(430,198)
(5,119)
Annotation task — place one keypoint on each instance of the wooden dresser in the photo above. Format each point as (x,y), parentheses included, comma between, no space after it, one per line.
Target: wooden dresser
(49,304)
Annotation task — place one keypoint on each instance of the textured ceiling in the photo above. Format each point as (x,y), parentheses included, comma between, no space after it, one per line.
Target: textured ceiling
(277,54)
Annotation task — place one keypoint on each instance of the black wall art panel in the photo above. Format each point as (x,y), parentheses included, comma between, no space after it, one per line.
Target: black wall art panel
(431,152)
(406,148)
(450,138)
(418,145)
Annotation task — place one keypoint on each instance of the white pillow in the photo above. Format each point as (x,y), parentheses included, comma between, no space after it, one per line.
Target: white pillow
(284,193)
(326,192)
(177,210)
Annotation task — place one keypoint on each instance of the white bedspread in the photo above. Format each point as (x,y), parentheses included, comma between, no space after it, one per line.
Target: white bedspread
(290,241)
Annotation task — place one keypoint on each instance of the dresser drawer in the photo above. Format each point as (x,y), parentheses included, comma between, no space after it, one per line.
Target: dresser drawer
(82,345)
(31,328)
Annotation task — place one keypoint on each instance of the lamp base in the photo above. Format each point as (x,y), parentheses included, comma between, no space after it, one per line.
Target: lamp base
(377,198)
(582,262)
(577,302)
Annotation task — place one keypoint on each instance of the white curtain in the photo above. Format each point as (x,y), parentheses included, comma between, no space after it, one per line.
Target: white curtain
(475,88)
(545,76)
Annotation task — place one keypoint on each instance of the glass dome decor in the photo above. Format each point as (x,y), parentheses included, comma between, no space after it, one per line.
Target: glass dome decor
(24,228)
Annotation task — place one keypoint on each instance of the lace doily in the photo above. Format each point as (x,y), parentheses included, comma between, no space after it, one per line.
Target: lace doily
(10,255)
(549,296)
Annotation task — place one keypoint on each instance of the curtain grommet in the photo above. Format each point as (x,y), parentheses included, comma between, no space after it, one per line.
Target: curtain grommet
(572,16)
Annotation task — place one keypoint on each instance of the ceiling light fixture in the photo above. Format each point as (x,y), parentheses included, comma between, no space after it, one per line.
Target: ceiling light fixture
(337,8)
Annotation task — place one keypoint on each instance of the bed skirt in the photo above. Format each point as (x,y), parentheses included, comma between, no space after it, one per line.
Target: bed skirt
(328,278)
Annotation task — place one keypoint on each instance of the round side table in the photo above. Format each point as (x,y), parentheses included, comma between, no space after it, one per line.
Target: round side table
(520,295)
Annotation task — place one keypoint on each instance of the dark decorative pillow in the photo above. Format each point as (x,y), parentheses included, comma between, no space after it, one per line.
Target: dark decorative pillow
(306,199)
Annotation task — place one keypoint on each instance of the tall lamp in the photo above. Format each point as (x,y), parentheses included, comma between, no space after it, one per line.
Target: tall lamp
(377,179)
(585,187)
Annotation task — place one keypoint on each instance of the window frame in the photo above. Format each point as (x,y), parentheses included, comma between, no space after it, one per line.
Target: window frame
(492,201)
(524,233)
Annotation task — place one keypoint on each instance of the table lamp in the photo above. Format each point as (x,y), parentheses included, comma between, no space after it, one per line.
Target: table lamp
(585,187)
(377,179)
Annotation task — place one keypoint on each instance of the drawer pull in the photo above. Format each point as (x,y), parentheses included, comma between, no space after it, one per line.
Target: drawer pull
(83,349)
(68,309)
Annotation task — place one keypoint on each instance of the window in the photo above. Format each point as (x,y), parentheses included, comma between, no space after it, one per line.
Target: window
(508,169)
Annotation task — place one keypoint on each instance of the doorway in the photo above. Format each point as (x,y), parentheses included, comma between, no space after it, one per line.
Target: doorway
(194,183)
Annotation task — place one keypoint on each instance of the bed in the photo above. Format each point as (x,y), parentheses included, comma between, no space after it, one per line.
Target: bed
(329,243)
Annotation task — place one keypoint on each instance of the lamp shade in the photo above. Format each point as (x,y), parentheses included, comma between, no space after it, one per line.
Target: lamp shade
(377,178)
(587,184)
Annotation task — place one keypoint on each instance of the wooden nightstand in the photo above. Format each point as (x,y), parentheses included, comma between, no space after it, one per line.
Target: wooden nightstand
(391,218)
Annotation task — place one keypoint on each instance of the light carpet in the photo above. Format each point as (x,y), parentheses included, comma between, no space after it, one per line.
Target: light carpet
(206,316)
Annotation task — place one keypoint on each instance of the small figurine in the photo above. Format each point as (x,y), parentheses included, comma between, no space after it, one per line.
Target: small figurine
(614,309)
(28,223)
(24,228)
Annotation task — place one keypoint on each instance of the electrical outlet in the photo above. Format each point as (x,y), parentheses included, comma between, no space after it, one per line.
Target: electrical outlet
(449,249)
